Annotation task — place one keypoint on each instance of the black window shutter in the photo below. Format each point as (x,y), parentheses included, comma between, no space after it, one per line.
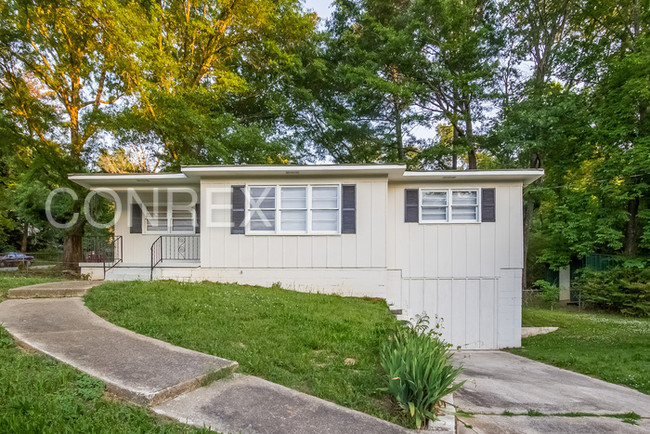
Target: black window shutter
(411,205)
(238,212)
(488,207)
(349,209)
(197,211)
(136,219)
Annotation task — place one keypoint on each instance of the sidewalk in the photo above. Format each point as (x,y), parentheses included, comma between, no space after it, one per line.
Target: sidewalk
(168,378)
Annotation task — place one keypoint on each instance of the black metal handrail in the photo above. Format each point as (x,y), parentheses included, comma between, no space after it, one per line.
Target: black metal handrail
(108,251)
(175,248)
(118,254)
(156,254)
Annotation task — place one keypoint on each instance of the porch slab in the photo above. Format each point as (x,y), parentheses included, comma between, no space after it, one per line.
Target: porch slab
(137,368)
(68,288)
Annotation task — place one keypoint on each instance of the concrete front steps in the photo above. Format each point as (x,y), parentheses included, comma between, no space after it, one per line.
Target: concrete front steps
(68,288)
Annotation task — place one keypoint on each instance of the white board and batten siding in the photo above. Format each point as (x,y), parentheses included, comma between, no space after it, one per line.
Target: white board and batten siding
(467,275)
(347,264)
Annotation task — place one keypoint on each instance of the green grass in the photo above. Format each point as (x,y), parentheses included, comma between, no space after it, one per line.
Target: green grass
(610,347)
(296,339)
(39,394)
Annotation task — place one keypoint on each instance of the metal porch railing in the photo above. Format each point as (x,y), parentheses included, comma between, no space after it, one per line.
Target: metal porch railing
(175,248)
(107,251)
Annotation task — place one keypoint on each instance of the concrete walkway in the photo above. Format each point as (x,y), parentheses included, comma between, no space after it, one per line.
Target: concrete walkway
(169,378)
(499,382)
(67,288)
(134,367)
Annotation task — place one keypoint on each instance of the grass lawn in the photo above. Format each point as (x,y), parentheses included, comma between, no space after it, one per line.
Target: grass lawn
(39,394)
(324,345)
(610,347)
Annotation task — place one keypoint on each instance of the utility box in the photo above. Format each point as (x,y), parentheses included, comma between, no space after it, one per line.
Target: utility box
(565,283)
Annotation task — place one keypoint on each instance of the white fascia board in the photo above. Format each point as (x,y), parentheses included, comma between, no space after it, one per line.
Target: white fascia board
(311,170)
(97,180)
(525,176)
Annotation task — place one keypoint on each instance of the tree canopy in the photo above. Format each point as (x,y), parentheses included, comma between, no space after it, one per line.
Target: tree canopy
(133,86)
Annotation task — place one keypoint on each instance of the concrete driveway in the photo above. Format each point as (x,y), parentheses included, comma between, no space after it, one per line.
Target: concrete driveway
(500,382)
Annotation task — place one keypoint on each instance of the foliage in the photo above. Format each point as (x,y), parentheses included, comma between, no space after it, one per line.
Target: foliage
(610,347)
(418,365)
(126,86)
(296,339)
(453,60)
(624,289)
(549,293)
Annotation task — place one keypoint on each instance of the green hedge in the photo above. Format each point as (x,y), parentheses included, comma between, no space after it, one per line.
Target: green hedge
(622,289)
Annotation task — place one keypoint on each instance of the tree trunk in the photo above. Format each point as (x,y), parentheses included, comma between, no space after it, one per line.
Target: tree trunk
(454,155)
(73,242)
(529,209)
(469,136)
(398,131)
(23,244)
(471,159)
(631,229)
(72,248)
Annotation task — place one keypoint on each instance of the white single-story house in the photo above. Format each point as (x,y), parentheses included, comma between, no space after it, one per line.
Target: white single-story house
(445,243)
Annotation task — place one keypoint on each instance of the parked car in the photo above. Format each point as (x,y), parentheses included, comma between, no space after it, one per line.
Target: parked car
(13,259)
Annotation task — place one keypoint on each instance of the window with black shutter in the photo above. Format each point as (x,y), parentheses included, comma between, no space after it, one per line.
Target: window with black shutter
(411,204)
(238,212)
(136,219)
(349,209)
(488,204)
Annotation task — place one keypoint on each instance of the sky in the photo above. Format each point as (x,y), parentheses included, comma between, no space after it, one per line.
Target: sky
(322,7)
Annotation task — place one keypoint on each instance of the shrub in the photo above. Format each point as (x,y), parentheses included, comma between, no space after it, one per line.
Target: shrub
(624,289)
(419,370)
(548,292)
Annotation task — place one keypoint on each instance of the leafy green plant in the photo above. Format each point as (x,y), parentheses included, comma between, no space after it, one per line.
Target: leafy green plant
(548,292)
(420,373)
(624,289)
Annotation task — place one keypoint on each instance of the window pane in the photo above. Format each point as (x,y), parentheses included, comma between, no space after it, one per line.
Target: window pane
(294,197)
(434,198)
(157,219)
(463,213)
(182,220)
(325,220)
(293,221)
(434,214)
(262,220)
(324,197)
(262,197)
(464,197)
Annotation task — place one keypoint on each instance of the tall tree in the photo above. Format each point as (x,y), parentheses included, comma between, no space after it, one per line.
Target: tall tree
(78,56)
(540,115)
(214,80)
(356,105)
(453,58)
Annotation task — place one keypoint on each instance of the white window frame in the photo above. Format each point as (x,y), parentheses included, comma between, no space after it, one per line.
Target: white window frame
(449,205)
(169,220)
(278,207)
